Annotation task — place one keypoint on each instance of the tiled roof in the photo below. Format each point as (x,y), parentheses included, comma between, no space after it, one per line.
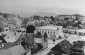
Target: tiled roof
(64,46)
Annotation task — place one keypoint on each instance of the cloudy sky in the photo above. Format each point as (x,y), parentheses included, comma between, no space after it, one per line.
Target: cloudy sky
(25,5)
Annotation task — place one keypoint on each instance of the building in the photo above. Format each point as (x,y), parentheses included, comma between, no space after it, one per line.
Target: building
(10,37)
(76,51)
(74,31)
(14,50)
(40,40)
(66,16)
(62,48)
(78,48)
(51,30)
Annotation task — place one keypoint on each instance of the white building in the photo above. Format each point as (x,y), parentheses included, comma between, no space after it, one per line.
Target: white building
(18,21)
(76,33)
(51,30)
(10,37)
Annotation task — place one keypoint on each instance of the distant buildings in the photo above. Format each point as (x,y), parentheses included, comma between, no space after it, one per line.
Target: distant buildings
(74,31)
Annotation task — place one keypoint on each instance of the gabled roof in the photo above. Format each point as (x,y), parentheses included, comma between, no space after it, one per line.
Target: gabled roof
(20,37)
(63,46)
(17,50)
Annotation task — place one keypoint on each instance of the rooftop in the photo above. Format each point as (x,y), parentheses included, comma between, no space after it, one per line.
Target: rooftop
(81,30)
(51,27)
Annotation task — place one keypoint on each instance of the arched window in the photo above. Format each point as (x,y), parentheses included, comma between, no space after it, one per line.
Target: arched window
(51,32)
(42,31)
(48,32)
(80,33)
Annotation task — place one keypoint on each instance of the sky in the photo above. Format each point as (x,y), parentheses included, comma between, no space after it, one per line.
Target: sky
(32,5)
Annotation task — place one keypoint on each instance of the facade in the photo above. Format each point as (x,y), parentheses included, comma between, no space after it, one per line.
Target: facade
(51,30)
(74,31)
(40,40)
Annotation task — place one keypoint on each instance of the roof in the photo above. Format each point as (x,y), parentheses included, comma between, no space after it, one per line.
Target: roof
(17,50)
(51,27)
(81,30)
(20,37)
(5,52)
(72,28)
(38,36)
(63,46)
(57,48)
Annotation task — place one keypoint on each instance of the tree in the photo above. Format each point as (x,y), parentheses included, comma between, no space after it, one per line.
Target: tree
(36,17)
(5,15)
(52,18)
(60,37)
(66,18)
(30,29)
(45,36)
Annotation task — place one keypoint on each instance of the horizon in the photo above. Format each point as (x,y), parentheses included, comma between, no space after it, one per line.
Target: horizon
(27,7)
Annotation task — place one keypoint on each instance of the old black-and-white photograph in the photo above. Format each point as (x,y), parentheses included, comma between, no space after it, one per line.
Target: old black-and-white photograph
(42,27)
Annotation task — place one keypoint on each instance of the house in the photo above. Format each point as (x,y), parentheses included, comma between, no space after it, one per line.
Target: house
(11,23)
(78,48)
(78,45)
(10,37)
(70,30)
(14,50)
(18,21)
(76,51)
(62,48)
(31,23)
(51,30)
(40,40)
(74,31)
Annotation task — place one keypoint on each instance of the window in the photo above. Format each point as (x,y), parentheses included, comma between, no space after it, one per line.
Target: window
(48,32)
(42,31)
(65,31)
(6,29)
(53,32)
(80,33)
(72,32)
(7,37)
